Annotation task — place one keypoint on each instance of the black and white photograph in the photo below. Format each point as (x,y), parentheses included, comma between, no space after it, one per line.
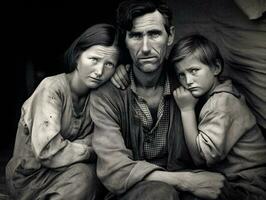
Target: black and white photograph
(134,100)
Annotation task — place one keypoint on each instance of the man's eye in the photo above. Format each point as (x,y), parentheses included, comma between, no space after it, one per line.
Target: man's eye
(135,36)
(109,65)
(155,35)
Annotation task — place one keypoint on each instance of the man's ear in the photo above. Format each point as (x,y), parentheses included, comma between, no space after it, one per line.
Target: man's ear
(171,36)
(217,68)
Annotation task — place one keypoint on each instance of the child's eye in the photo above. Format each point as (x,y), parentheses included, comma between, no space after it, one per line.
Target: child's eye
(194,71)
(109,65)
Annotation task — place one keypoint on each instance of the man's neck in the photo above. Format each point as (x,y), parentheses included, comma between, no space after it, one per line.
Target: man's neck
(147,80)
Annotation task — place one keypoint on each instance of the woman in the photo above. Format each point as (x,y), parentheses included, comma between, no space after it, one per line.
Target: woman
(53,157)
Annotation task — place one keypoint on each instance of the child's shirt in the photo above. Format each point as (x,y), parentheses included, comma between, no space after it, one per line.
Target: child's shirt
(229,139)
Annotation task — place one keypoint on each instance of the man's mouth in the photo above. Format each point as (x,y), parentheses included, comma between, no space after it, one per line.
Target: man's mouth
(148,58)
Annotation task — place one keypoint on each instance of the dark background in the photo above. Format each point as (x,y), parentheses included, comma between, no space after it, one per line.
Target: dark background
(34,37)
(37,32)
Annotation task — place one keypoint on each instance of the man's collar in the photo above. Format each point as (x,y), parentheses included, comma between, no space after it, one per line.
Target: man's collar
(163,81)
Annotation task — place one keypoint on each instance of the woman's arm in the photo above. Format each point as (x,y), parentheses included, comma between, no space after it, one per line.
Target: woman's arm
(48,144)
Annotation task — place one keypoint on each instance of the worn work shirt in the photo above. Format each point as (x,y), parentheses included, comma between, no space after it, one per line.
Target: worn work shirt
(229,139)
(119,139)
(155,132)
(50,133)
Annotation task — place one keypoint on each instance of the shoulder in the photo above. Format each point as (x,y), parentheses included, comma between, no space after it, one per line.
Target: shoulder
(108,91)
(50,87)
(53,85)
(226,97)
(58,80)
(223,100)
(109,99)
(229,105)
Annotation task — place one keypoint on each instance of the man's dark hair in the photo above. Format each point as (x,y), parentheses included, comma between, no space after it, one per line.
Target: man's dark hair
(128,10)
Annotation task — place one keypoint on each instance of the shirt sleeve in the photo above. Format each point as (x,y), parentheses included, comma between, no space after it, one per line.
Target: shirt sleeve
(115,166)
(47,143)
(223,121)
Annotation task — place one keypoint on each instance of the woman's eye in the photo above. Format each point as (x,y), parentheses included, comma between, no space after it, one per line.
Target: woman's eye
(93,60)
(181,76)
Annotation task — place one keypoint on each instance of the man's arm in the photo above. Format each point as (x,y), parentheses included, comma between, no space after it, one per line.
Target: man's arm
(120,79)
(203,184)
(115,165)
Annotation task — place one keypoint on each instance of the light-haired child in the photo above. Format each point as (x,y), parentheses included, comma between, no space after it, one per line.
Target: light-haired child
(220,130)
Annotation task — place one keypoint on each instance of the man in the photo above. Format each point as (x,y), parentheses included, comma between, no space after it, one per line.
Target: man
(138,133)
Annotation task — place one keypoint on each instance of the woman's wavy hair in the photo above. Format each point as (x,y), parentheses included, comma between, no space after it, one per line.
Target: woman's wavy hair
(128,10)
(99,34)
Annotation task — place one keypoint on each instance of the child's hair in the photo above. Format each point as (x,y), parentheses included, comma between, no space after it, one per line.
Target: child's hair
(200,47)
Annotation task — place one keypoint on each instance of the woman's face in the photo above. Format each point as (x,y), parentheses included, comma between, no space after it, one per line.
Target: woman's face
(97,64)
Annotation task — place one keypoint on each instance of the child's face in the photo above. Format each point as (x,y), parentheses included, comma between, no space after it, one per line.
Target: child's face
(195,76)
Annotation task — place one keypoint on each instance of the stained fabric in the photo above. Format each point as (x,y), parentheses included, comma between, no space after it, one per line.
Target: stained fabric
(253,9)
(51,137)
(230,141)
(243,44)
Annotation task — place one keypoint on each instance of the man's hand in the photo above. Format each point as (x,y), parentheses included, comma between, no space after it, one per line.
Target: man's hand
(184,99)
(121,78)
(206,185)
(202,184)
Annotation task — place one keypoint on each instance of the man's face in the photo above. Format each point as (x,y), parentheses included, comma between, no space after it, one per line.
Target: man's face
(147,41)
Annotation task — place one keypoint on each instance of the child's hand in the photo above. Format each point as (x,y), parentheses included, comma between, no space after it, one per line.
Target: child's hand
(184,99)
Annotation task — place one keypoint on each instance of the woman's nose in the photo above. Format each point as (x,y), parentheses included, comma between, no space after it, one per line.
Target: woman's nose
(99,70)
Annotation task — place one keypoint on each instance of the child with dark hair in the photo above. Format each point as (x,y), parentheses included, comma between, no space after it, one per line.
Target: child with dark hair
(220,130)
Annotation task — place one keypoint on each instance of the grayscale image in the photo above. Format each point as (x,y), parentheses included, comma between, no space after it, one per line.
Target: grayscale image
(135,100)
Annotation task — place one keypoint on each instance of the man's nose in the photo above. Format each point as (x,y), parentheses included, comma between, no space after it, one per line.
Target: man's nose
(145,48)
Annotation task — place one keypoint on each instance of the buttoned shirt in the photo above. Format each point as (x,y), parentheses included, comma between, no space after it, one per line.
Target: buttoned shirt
(155,132)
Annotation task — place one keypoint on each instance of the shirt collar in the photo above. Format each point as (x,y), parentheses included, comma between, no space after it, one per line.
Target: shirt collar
(226,86)
(166,83)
